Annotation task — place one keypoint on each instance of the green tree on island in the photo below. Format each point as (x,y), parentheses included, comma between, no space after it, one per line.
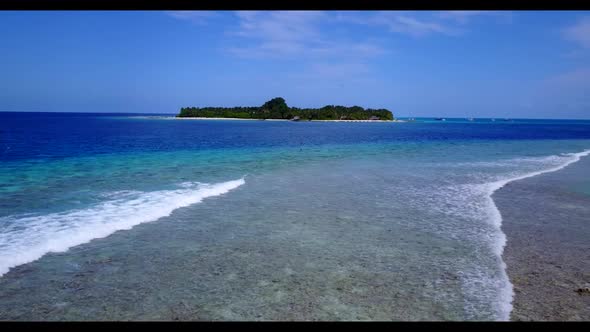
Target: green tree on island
(277,108)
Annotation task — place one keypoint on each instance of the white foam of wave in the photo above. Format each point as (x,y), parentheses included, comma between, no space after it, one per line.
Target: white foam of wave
(495,217)
(507,162)
(26,238)
(120,194)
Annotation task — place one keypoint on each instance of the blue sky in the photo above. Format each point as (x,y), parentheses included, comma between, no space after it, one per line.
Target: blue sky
(423,63)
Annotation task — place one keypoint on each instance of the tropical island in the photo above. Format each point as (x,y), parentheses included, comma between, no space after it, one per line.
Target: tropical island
(277,109)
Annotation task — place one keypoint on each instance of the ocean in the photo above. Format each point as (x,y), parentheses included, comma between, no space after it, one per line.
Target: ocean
(134,217)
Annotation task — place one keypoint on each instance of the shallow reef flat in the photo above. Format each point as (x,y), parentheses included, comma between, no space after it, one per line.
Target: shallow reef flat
(545,219)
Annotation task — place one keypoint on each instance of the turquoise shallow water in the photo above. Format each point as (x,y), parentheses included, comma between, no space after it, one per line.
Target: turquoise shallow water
(113,217)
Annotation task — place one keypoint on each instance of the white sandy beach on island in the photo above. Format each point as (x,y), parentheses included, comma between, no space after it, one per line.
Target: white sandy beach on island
(202,118)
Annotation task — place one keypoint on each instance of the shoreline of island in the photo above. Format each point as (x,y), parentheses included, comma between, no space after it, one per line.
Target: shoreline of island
(277,109)
(247,119)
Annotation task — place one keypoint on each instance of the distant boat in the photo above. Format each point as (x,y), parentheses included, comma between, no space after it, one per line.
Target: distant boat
(470,119)
(295,118)
(441,119)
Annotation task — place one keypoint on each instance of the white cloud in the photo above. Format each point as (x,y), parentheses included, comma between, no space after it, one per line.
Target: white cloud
(465,16)
(194,16)
(307,34)
(279,25)
(294,34)
(421,24)
(399,22)
(412,26)
(461,16)
(579,32)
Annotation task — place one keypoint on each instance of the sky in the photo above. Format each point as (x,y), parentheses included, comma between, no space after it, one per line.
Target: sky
(515,64)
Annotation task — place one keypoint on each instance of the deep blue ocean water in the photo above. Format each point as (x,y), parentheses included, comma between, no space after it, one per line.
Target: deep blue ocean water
(262,219)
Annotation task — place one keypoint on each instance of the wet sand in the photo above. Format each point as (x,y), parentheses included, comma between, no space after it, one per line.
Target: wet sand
(546,219)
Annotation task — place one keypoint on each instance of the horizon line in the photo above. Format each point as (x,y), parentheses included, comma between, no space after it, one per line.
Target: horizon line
(396,117)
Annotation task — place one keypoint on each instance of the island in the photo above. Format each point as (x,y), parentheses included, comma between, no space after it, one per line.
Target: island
(277,109)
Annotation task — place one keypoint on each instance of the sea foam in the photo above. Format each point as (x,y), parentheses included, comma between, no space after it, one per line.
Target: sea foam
(26,238)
